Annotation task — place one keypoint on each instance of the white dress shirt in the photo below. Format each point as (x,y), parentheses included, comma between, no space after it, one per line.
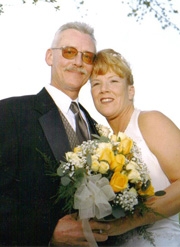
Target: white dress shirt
(63,102)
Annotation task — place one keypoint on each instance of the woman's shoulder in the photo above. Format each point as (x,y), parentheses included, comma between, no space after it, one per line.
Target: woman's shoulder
(155,123)
(152,117)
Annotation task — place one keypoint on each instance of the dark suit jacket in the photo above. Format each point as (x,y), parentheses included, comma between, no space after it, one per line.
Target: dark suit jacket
(28,214)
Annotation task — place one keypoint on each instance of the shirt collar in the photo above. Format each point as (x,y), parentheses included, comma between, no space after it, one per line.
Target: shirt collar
(62,101)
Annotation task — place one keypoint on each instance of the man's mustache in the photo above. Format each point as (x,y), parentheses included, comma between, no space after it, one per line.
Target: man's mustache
(80,70)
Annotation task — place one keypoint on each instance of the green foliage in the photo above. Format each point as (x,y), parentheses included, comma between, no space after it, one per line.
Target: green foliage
(142,231)
(101,138)
(66,192)
(50,166)
(162,10)
(1,9)
(68,188)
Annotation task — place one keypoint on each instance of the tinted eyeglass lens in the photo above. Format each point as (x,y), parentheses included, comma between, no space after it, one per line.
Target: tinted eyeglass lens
(71,52)
(88,57)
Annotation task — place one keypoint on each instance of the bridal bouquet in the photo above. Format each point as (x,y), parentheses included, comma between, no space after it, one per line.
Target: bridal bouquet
(104,178)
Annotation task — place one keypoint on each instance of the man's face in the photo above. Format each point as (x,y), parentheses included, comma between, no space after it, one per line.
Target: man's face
(69,75)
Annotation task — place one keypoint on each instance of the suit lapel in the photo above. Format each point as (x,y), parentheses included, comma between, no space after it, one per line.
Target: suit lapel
(55,133)
(52,125)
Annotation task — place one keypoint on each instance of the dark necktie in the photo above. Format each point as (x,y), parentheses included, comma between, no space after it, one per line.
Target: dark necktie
(81,127)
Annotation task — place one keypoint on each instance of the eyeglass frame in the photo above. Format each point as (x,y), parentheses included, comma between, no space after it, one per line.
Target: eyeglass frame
(82,53)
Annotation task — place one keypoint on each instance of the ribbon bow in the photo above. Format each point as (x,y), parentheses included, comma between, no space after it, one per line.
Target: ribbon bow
(92,197)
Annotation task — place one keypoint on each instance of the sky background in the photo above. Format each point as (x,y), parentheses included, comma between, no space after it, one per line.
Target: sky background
(26,31)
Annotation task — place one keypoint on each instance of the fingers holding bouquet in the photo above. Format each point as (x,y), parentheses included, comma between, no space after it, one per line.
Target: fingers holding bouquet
(69,232)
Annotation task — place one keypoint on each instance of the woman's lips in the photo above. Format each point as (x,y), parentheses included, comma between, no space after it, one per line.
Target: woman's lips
(106,100)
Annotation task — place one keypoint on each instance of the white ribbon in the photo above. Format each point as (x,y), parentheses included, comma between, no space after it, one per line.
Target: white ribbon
(92,200)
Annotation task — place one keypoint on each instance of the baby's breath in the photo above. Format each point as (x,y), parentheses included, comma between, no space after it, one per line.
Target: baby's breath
(126,199)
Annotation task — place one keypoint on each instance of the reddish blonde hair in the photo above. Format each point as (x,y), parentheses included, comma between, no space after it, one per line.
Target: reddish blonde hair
(107,60)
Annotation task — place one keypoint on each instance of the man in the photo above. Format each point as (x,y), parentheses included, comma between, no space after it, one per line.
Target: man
(35,125)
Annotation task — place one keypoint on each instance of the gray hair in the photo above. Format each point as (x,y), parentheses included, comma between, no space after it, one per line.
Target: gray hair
(79,26)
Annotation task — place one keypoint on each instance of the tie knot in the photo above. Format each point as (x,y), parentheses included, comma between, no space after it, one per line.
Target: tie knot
(74,107)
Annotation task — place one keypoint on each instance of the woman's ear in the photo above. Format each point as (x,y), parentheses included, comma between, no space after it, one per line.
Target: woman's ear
(131,92)
(49,57)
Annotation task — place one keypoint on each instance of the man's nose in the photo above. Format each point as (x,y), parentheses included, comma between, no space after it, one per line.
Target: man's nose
(78,59)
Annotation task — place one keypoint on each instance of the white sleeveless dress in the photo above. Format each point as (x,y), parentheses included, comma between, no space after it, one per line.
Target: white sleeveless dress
(166,232)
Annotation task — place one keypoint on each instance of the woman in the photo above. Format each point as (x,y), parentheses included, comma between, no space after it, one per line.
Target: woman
(157,137)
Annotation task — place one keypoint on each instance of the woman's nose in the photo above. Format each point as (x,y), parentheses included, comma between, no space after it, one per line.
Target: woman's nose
(104,87)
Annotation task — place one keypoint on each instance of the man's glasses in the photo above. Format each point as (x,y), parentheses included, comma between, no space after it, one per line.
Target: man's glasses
(69,52)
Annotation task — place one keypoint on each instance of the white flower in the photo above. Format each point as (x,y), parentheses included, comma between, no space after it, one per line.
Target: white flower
(134,176)
(103,130)
(74,159)
(132,191)
(132,166)
(103,145)
(95,166)
(113,138)
(104,167)
(122,135)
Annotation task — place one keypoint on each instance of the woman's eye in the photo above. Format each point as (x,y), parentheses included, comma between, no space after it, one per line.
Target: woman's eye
(95,84)
(114,81)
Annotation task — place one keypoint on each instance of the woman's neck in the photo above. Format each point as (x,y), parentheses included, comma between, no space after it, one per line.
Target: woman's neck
(120,123)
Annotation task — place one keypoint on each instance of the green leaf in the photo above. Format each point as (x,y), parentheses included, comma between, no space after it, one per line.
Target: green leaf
(144,187)
(160,193)
(104,139)
(78,177)
(118,212)
(65,181)
(60,172)
(89,160)
(95,136)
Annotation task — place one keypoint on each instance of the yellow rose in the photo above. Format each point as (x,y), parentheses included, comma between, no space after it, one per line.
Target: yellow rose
(126,143)
(125,146)
(95,166)
(118,182)
(107,155)
(103,167)
(148,192)
(118,162)
(77,149)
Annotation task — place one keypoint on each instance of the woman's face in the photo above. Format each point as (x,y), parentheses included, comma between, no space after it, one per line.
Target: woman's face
(111,94)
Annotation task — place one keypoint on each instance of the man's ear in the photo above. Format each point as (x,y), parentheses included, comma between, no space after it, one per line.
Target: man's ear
(131,92)
(49,57)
